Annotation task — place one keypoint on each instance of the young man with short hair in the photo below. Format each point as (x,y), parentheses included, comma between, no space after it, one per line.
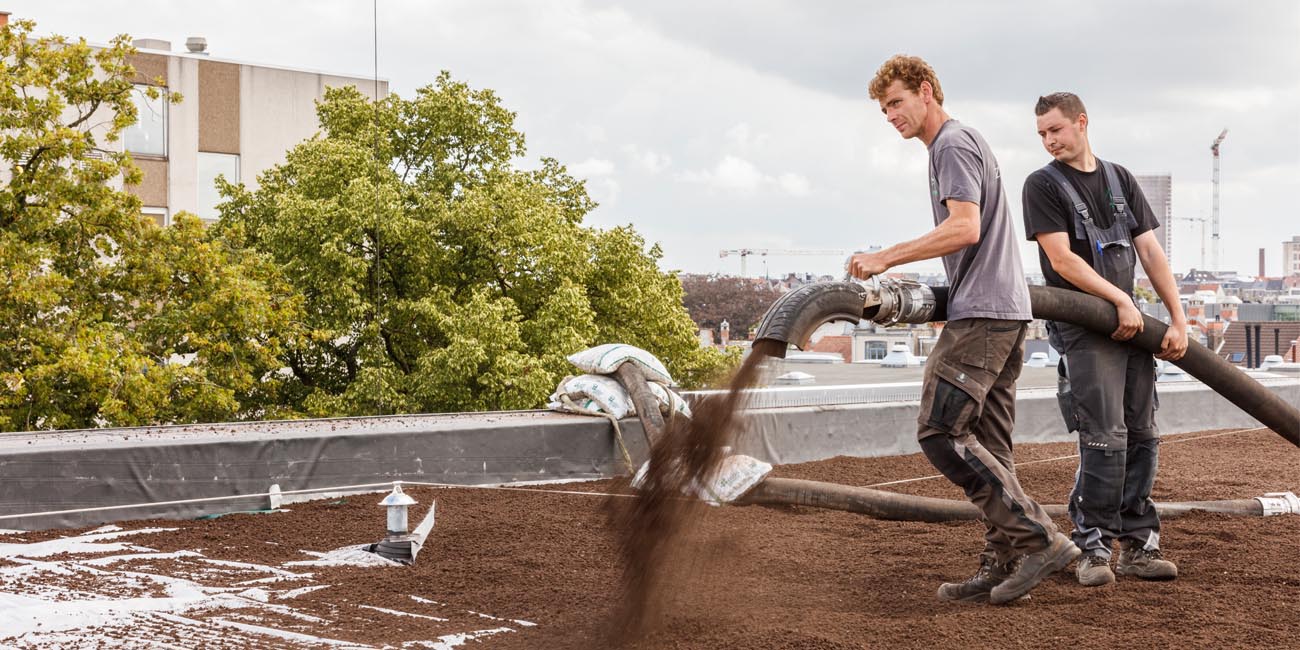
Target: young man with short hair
(969,393)
(1092,225)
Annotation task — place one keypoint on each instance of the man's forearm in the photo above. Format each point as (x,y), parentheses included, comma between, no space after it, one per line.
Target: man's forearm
(1081,274)
(947,238)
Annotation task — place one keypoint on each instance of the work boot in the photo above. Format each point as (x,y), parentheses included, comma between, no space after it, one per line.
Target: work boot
(977,587)
(1134,560)
(1094,570)
(1029,570)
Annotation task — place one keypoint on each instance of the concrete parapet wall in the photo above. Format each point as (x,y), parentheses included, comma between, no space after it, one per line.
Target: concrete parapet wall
(69,470)
(807,433)
(112,468)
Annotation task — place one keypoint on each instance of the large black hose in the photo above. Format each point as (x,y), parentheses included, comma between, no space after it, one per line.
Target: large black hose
(794,317)
(880,504)
(797,314)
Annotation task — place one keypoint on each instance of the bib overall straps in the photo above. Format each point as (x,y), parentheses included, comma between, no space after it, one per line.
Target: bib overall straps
(1113,256)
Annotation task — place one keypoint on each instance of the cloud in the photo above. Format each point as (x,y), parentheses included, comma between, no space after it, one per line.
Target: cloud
(604,191)
(593,132)
(734,173)
(599,173)
(652,162)
(743,136)
(793,184)
(592,167)
(739,176)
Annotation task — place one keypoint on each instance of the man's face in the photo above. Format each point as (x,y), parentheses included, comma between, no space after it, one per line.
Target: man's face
(905,109)
(1062,137)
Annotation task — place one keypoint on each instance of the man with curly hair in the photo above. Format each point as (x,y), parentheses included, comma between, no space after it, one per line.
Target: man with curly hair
(968,398)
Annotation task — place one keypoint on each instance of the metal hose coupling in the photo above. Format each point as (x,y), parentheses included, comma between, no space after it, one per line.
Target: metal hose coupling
(899,301)
(1279,503)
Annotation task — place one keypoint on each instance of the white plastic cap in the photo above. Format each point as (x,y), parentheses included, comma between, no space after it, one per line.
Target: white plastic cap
(397,497)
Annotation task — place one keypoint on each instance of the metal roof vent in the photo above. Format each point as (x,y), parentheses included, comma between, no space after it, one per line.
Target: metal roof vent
(152,44)
(197,45)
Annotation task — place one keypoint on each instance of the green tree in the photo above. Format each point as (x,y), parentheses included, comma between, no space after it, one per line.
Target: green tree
(106,319)
(436,275)
(741,302)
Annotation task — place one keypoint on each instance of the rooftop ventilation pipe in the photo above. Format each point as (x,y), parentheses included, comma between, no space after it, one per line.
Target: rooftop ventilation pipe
(400,544)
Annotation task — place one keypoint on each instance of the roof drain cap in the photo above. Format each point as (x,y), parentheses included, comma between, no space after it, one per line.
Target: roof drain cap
(1280,503)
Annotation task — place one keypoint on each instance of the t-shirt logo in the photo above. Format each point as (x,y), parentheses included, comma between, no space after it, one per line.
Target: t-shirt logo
(934,187)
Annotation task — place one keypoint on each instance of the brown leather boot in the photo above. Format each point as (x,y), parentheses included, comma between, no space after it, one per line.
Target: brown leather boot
(976,588)
(1144,563)
(1094,570)
(1032,568)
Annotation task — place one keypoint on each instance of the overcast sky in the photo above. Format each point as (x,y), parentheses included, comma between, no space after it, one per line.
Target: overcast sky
(711,125)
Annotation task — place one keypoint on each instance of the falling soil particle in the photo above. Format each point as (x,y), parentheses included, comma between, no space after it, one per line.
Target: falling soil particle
(652,530)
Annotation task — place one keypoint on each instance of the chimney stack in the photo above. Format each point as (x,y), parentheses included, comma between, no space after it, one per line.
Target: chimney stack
(4,18)
(1261,264)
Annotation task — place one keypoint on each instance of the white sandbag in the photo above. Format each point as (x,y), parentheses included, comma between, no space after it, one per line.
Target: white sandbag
(592,394)
(605,359)
(669,401)
(736,476)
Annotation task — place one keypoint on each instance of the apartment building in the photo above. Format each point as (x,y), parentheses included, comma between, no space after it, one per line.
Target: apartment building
(1158,190)
(1291,256)
(236,120)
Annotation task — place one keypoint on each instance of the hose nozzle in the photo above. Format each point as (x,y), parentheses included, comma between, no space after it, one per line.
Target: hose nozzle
(898,301)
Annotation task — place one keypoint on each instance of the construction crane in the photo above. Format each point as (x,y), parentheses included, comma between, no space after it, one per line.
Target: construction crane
(744,253)
(1214,209)
(1201,220)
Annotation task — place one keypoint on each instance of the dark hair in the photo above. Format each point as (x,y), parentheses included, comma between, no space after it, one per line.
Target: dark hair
(911,70)
(1069,104)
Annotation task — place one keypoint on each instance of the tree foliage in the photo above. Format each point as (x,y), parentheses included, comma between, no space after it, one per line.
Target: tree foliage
(106,319)
(711,299)
(399,261)
(438,276)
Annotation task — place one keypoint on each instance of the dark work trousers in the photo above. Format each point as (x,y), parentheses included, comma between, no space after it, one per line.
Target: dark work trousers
(968,408)
(1108,395)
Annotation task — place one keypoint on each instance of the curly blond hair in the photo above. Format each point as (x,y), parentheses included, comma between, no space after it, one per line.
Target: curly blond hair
(911,70)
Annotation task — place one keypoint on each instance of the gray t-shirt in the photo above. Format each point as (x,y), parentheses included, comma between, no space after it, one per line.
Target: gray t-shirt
(986,279)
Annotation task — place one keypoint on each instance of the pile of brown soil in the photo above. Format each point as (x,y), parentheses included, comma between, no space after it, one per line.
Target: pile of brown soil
(791,577)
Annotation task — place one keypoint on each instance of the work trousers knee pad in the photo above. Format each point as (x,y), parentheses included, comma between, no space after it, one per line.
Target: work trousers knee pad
(1101,476)
(1140,473)
(1098,494)
(943,456)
